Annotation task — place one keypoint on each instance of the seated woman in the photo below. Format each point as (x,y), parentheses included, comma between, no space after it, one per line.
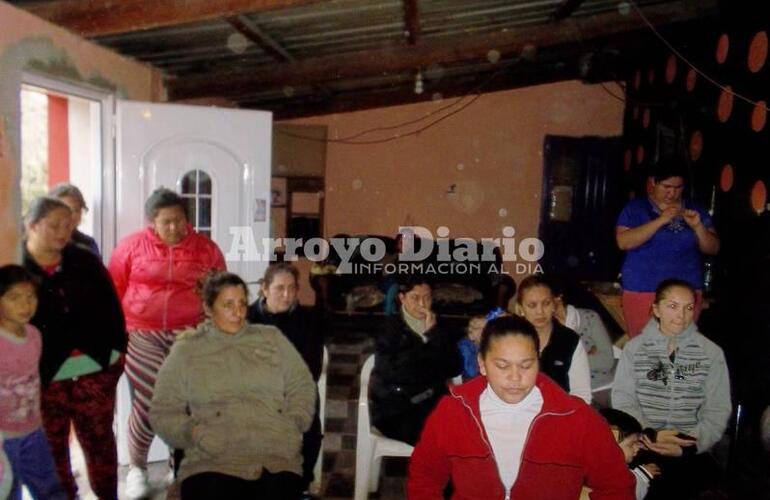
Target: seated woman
(514,434)
(278,306)
(414,359)
(562,356)
(674,380)
(593,334)
(237,398)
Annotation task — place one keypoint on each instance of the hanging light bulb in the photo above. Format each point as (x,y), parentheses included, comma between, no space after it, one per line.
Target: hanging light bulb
(418,87)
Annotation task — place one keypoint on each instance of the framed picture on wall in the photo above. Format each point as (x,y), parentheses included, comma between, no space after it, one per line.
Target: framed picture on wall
(278,192)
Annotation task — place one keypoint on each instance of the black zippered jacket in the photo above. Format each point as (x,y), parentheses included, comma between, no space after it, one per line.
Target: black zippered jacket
(78,309)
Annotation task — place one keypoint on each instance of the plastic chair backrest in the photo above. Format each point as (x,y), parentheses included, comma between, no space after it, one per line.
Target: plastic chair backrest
(363,393)
(322,387)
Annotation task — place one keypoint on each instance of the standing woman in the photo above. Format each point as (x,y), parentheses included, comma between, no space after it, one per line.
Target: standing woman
(278,306)
(663,236)
(73,198)
(674,380)
(156,271)
(84,335)
(562,355)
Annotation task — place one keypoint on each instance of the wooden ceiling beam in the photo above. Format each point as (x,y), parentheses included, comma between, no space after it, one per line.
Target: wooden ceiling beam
(565,9)
(92,18)
(427,52)
(254,33)
(270,45)
(411,21)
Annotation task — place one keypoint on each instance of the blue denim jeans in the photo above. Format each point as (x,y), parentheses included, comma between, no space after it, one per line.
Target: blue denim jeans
(33,467)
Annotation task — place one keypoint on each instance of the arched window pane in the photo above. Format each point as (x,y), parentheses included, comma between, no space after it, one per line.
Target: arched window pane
(205,212)
(196,187)
(192,214)
(204,183)
(187,185)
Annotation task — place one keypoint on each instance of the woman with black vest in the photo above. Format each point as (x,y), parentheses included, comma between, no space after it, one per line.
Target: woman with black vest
(562,355)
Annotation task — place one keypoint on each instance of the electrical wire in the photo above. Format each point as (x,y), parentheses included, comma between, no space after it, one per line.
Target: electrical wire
(613,94)
(690,64)
(387,139)
(474,94)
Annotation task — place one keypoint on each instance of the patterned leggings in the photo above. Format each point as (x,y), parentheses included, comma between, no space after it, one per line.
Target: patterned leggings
(146,352)
(88,404)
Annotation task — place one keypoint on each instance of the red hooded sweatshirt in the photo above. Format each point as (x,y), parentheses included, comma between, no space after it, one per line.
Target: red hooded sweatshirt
(157,283)
(569,445)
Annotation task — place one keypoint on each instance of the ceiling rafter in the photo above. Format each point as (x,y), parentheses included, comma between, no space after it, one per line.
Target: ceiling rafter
(266,42)
(424,53)
(411,21)
(108,17)
(270,45)
(565,9)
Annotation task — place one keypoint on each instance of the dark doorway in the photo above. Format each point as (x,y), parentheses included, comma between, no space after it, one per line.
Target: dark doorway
(583,193)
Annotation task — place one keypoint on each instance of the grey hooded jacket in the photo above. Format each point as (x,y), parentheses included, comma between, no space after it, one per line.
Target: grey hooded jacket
(250,396)
(691,394)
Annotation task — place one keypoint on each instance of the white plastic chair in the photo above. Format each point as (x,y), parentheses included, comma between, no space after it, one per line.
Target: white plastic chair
(371,446)
(315,486)
(616,353)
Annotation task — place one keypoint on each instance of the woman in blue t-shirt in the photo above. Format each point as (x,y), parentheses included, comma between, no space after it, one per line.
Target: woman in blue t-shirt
(663,236)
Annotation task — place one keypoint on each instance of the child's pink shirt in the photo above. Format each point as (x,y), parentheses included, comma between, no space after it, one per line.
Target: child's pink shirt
(20,382)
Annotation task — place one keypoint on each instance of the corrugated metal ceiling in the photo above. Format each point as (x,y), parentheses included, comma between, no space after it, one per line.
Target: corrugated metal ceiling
(339,28)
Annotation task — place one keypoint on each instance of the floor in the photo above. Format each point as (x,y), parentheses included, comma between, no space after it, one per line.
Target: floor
(348,349)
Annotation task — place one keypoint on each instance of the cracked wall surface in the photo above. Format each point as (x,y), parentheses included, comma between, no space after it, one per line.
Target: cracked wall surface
(29,44)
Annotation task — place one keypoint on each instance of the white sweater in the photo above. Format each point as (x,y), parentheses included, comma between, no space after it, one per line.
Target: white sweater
(580,374)
(507,426)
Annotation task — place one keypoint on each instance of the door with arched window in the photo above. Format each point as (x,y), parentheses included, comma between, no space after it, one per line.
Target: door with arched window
(218,160)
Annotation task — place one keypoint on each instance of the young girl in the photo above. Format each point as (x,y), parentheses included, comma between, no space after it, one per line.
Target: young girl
(628,432)
(469,347)
(25,442)
(6,476)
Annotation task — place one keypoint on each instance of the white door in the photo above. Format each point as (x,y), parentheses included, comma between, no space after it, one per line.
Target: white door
(219,159)
(166,144)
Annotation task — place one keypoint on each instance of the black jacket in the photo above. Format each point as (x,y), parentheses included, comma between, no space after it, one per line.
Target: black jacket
(408,371)
(301,326)
(556,358)
(78,308)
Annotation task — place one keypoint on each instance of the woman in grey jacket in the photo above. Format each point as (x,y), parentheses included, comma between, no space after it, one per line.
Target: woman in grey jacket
(237,398)
(674,381)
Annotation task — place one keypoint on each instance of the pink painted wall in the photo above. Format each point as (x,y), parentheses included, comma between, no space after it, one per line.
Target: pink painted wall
(29,43)
(491,151)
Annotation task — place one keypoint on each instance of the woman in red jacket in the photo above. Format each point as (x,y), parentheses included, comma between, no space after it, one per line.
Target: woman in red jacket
(515,434)
(156,272)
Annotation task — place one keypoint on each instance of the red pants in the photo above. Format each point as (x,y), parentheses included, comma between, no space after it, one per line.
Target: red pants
(637,309)
(88,404)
